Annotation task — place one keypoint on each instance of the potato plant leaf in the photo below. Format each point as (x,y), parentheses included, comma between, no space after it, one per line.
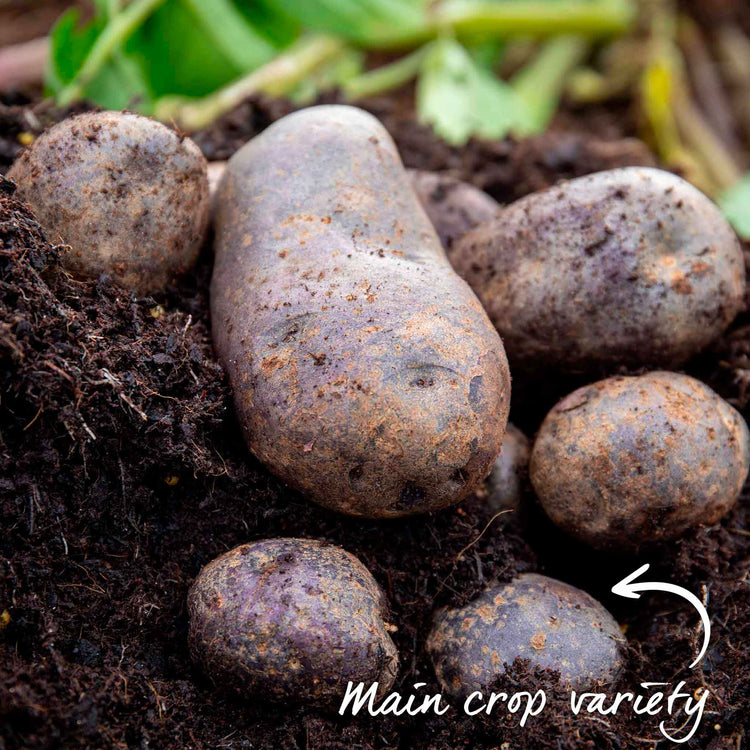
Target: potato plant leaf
(363,21)
(120,83)
(735,203)
(460,98)
(187,47)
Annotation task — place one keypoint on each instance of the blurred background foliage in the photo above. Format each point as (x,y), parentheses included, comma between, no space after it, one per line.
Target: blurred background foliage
(478,68)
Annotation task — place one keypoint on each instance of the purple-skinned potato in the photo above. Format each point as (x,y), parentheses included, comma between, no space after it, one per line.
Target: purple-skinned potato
(365,372)
(290,620)
(552,624)
(629,267)
(128,195)
(630,461)
(453,206)
(504,486)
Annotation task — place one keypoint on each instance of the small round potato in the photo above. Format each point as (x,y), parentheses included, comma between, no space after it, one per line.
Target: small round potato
(630,461)
(554,625)
(504,485)
(290,620)
(453,206)
(631,266)
(126,193)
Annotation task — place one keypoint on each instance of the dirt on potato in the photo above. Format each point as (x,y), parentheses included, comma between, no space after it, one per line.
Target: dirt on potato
(123,471)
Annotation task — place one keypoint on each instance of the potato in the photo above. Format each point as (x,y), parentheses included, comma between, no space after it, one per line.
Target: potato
(505,484)
(454,207)
(215,172)
(126,193)
(290,620)
(550,623)
(365,372)
(629,461)
(631,267)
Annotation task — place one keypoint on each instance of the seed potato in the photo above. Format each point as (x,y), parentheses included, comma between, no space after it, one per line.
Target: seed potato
(505,483)
(126,193)
(453,206)
(630,461)
(552,624)
(631,266)
(365,372)
(290,620)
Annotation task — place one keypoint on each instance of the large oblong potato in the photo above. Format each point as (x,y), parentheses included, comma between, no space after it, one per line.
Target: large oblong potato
(126,193)
(630,461)
(631,266)
(365,372)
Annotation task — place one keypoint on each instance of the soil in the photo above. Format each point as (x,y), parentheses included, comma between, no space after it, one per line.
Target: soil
(123,471)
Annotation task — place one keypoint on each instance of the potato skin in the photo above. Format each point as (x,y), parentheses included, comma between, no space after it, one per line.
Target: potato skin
(365,372)
(505,484)
(129,195)
(630,461)
(453,206)
(290,620)
(554,625)
(630,266)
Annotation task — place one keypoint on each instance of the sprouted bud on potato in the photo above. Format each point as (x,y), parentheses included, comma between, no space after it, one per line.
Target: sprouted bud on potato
(290,620)
(630,461)
(128,196)
(631,266)
(365,372)
(553,625)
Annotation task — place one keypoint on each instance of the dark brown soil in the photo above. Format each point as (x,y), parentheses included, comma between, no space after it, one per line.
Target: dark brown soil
(122,472)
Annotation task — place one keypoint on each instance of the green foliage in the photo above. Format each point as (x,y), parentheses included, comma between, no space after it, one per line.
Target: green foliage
(364,21)
(335,74)
(460,98)
(735,203)
(159,56)
(186,47)
(120,83)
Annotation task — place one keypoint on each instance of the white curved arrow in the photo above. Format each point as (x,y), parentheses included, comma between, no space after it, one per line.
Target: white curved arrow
(627,588)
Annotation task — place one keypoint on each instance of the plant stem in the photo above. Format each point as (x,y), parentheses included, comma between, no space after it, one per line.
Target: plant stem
(699,135)
(118,31)
(540,84)
(706,85)
(275,78)
(734,49)
(513,18)
(385,78)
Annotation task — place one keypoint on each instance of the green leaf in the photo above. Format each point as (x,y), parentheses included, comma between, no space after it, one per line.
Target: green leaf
(119,85)
(277,26)
(69,47)
(487,54)
(187,48)
(363,21)
(230,32)
(735,203)
(461,99)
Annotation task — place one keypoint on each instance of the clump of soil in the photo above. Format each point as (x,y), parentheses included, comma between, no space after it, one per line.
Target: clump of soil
(123,471)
